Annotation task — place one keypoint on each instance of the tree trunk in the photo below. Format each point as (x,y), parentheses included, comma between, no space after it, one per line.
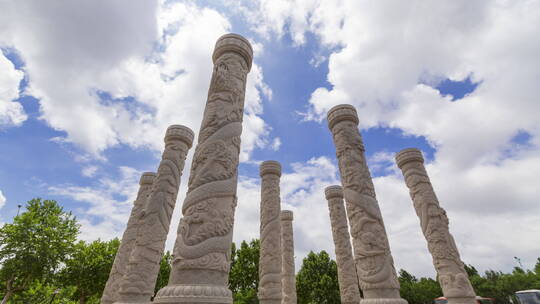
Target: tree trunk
(82,299)
(8,295)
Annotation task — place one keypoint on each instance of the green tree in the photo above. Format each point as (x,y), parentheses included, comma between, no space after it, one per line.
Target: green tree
(164,271)
(418,291)
(316,282)
(35,244)
(244,274)
(44,292)
(88,267)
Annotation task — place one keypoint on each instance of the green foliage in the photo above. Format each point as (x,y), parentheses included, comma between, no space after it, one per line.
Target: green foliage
(164,271)
(35,244)
(88,267)
(244,274)
(316,282)
(417,291)
(41,262)
(41,292)
(502,286)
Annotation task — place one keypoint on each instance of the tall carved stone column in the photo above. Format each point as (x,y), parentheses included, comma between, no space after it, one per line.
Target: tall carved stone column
(110,294)
(450,269)
(202,252)
(143,267)
(288,275)
(374,263)
(347,278)
(270,254)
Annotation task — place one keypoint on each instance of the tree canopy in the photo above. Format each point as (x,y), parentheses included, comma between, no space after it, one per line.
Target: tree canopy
(316,281)
(41,261)
(35,244)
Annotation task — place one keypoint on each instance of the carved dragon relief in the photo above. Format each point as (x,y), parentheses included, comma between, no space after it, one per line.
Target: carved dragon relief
(155,220)
(441,244)
(372,254)
(215,159)
(270,259)
(288,281)
(348,281)
(110,294)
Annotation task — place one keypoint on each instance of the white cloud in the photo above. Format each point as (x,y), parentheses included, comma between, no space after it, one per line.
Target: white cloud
(89,171)
(2,199)
(276,143)
(154,60)
(302,191)
(11,112)
(106,204)
(483,178)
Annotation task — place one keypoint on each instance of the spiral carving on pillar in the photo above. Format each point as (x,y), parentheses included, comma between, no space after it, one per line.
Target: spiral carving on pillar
(203,244)
(374,264)
(434,222)
(270,234)
(143,266)
(347,278)
(288,274)
(118,270)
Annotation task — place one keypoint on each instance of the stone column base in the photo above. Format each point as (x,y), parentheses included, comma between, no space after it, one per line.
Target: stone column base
(199,294)
(269,301)
(464,300)
(384,301)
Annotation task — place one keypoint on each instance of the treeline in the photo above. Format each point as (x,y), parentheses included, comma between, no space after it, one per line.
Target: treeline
(42,262)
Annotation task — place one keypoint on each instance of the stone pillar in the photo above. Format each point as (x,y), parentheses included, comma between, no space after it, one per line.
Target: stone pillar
(143,267)
(270,254)
(288,275)
(347,278)
(110,294)
(202,252)
(374,263)
(450,269)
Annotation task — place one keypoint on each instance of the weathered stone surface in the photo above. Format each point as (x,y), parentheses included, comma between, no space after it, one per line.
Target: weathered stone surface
(270,254)
(374,263)
(138,283)
(110,293)
(201,263)
(347,278)
(288,275)
(434,222)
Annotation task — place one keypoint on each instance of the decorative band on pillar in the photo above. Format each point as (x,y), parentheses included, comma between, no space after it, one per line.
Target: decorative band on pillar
(179,132)
(270,167)
(201,264)
(340,113)
(147,178)
(236,44)
(333,191)
(408,155)
(286,215)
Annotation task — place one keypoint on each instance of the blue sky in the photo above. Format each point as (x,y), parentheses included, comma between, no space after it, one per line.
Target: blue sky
(84,107)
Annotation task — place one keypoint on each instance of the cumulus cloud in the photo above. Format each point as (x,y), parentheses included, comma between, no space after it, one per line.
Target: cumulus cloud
(105,205)
(89,171)
(108,76)
(2,199)
(387,58)
(11,112)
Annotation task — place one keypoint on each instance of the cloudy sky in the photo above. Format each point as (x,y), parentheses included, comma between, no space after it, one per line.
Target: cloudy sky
(88,88)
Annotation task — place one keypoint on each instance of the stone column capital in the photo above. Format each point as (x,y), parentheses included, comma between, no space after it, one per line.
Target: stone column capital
(408,155)
(334,191)
(236,44)
(270,167)
(147,178)
(340,113)
(179,132)
(286,215)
